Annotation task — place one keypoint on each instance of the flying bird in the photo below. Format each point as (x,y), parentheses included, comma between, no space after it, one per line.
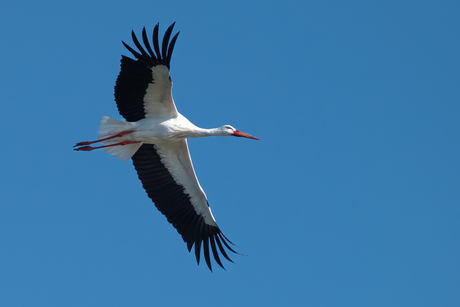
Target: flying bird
(154,136)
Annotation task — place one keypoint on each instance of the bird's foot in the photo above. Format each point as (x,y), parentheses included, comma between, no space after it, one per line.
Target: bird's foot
(89,148)
(84,148)
(83,143)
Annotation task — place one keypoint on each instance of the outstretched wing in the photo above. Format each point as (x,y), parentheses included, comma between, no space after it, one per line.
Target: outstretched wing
(167,174)
(143,87)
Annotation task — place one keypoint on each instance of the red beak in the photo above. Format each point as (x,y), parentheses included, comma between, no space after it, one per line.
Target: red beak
(244,135)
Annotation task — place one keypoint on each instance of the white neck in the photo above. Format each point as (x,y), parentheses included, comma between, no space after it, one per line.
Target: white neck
(201,132)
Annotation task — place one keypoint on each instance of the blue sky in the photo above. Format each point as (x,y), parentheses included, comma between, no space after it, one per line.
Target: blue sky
(350,198)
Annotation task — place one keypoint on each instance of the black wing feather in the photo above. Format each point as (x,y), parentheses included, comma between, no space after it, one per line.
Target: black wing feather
(206,252)
(164,45)
(222,250)
(156,41)
(171,200)
(144,56)
(214,252)
(171,47)
(147,44)
(130,89)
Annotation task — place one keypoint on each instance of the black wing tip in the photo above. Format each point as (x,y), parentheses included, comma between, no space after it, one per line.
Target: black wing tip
(161,56)
(215,239)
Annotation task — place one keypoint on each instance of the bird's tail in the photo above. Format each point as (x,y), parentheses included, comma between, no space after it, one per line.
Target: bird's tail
(109,127)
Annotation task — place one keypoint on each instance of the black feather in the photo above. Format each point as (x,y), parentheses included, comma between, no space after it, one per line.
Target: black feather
(164,45)
(147,44)
(155,41)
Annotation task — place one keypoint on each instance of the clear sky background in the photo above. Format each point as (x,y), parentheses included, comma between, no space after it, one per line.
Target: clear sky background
(350,198)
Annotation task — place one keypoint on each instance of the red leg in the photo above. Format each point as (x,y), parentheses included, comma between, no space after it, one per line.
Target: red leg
(119,135)
(89,148)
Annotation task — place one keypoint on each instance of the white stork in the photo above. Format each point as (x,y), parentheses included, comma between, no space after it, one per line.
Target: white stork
(154,136)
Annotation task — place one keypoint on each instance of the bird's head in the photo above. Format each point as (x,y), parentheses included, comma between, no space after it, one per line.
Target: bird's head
(230,131)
